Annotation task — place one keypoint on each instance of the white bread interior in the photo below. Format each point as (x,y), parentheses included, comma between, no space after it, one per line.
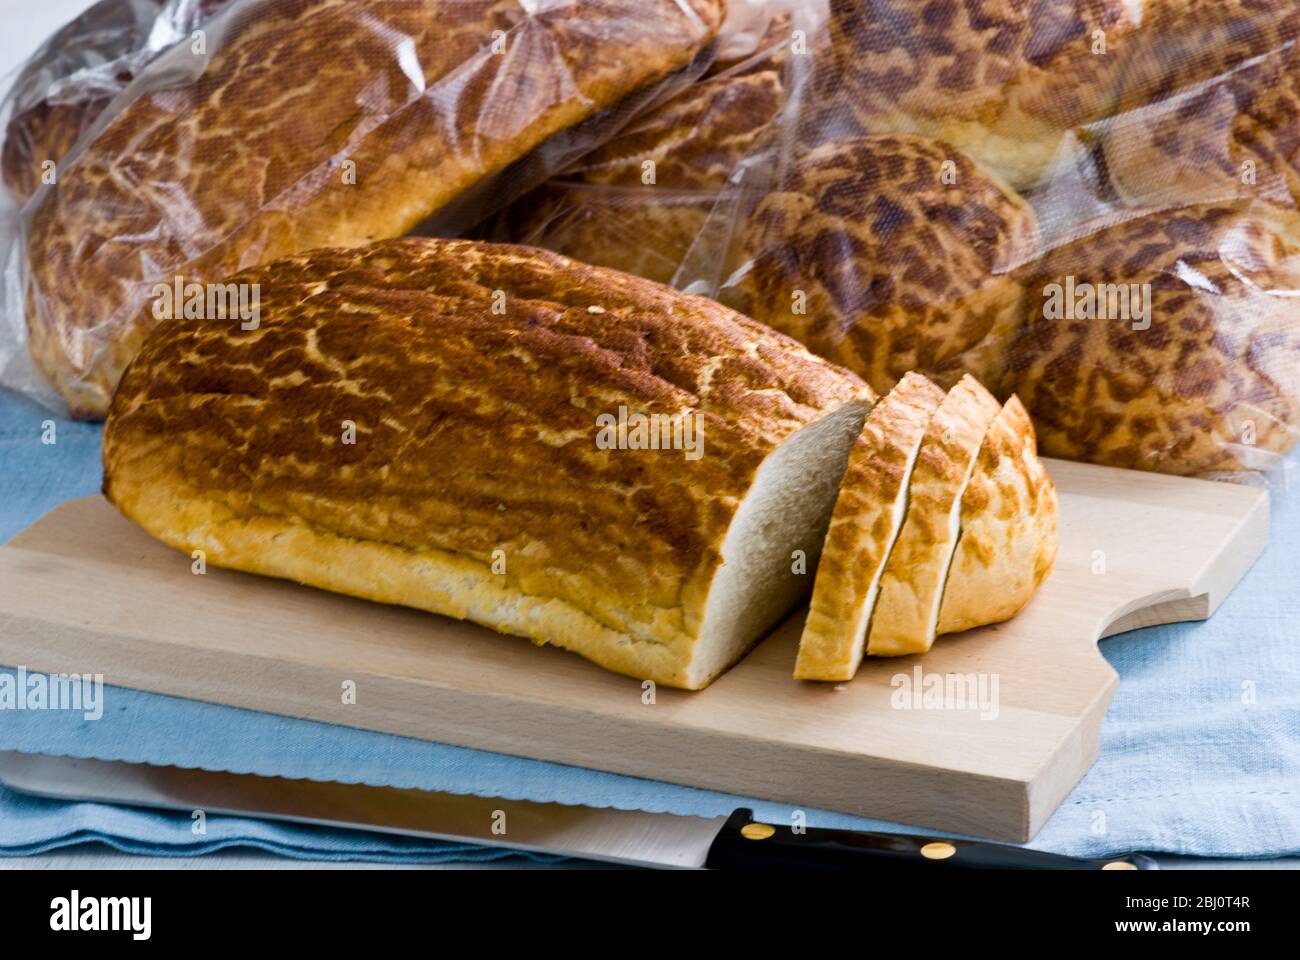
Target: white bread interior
(787,509)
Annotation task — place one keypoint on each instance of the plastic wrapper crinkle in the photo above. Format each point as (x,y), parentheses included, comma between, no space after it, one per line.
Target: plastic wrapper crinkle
(69,81)
(263,128)
(637,202)
(1089,203)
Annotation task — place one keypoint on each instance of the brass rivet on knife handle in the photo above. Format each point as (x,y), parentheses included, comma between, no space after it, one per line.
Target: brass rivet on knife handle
(938,851)
(757,831)
(1119,865)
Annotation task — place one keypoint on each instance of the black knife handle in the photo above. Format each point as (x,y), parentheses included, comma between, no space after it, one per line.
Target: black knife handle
(745,844)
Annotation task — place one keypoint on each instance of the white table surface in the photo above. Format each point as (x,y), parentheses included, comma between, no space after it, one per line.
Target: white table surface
(27,23)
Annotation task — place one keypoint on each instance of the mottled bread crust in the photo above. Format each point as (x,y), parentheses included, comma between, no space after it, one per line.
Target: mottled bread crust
(1008,528)
(900,246)
(1003,80)
(867,518)
(907,611)
(1209,382)
(1183,43)
(250,161)
(475,487)
(603,211)
(1236,135)
(52,104)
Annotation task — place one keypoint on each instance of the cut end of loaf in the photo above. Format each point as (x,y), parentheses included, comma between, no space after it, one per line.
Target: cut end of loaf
(787,509)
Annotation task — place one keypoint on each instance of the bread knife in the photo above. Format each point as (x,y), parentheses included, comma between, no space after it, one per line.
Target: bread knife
(630,837)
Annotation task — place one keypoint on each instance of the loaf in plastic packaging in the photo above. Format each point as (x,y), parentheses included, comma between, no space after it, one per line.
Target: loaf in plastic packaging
(1091,204)
(76,73)
(637,202)
(286,125)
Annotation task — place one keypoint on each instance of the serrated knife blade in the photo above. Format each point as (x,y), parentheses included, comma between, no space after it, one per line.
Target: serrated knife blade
(617,836)
(630,837)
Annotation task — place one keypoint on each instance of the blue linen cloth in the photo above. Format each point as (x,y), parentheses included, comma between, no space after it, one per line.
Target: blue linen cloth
(1200,751)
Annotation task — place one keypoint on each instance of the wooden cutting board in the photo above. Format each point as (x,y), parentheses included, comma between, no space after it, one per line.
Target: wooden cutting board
(84,590)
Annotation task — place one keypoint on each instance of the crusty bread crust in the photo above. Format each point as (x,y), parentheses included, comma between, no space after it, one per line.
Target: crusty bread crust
(602,211)
(906,615)
(246,163)
(862,531)
(475,440)
(1008,528)
(1209,381)
(901,246)
(1003,80)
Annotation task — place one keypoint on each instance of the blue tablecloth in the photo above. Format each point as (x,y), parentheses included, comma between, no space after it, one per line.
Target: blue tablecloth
(1200,750)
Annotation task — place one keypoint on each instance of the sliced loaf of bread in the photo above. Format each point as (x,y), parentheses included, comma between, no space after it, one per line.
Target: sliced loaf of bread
(386,433)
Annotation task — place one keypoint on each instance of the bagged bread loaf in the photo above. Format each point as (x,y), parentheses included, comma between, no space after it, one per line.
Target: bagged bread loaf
(1234,135)
(1167,342)
(1010,83)
(1004,81)
(637,202)
(74,75)
(465,428)
(887,254)
(309,123)
(950,173)
(1183,44)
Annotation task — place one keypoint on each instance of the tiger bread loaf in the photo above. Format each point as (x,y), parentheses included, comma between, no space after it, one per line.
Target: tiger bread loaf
(864,525)
(1019,84)
(1209,87)
(1166,340)
(1005,82)
(65,86)
(50,105)
(1234,135)
(888,254)
(1005,547)
(314,123)
(500,434)
(637,202)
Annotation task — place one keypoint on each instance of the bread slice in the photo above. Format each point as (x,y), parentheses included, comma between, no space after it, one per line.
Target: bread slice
(478,483)
(1008,528)
(911,589)
(867,519)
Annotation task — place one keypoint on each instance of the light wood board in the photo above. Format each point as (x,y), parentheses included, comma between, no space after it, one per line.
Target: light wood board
(86,591)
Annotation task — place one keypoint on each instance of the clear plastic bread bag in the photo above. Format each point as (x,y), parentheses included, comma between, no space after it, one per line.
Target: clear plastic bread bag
(276,126)
(637,202)
(1090,203)
(53,98)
